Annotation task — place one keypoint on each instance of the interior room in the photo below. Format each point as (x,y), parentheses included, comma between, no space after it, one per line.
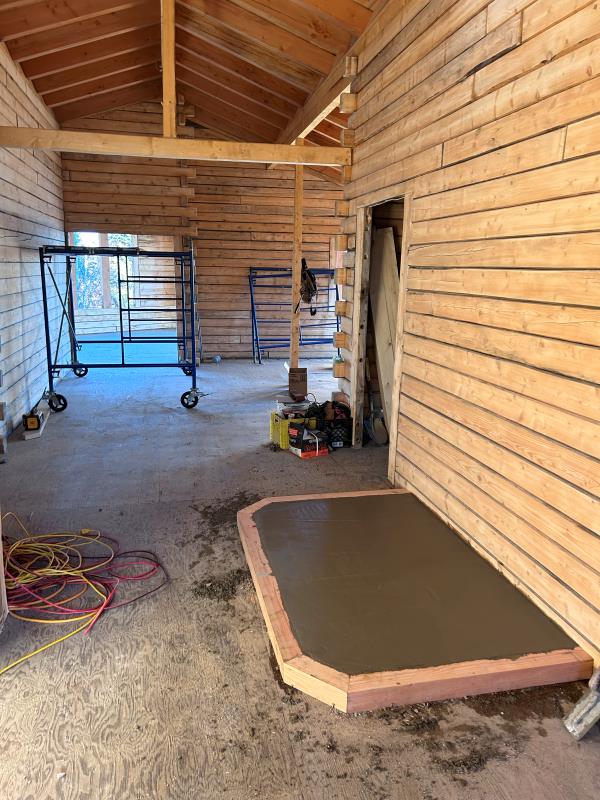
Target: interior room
(299,399)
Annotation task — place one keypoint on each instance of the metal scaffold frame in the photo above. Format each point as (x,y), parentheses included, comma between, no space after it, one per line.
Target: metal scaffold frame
(183,279)
(258,278)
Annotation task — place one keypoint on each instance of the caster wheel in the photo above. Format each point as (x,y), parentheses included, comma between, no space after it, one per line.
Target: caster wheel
(57,402)
(189,400)
(187,370)
(81,372)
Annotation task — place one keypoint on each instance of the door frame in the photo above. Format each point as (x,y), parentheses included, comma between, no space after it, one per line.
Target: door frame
(364,229)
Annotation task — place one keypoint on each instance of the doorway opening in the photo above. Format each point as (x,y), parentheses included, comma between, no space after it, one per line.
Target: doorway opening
(384,251)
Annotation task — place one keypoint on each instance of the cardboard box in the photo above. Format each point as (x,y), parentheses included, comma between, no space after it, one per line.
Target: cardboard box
(298,382)
(305,443)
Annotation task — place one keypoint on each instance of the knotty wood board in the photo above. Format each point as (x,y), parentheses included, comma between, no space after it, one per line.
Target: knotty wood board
(370,599)
(497,143)
(383,293)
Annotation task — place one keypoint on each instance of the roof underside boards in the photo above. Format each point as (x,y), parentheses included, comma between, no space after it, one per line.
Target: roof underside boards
(243,67)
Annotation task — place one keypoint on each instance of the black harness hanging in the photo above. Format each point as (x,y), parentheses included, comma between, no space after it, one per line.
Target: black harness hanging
(309,290)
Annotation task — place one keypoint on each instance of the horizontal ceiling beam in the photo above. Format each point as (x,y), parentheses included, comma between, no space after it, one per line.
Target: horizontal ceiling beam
(161,147)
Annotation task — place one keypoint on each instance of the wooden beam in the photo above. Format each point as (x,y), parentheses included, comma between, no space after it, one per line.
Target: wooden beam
(248,25)
(335,84)
(351,15)
(82,31)
(105,101)
(71,58)
(167,41)
(97,70)
(82,91)
(43,16)
(296,262)
(234,104)
(239,69)
(210,30)
(156,147)
(247,125)
(207,69)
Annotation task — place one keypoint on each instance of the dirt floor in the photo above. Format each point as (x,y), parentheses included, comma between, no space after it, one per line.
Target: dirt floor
(178,696)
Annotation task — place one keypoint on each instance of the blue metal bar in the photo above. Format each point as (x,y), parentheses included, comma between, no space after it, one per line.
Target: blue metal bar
(258,279)
(125,299)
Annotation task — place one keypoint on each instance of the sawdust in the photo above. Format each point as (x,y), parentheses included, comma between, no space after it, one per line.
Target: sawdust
(543,702)
(223,587)
(220,516)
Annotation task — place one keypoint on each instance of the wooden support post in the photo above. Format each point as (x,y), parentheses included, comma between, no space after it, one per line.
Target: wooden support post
(167,37)
(297,262)
(360,305)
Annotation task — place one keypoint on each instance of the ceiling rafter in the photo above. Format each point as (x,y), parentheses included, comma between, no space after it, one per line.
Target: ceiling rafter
(58,38)
(254,125)
(240,68)
(255,66)
(296,19)
(249,26)
(208,69)
(234,98)
(79,55)
(138,74)
(105,67)
(207,29)
(115,98)
(347,13)
(43,16)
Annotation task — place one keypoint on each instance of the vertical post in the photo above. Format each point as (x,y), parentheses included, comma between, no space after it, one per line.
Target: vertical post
(360,307)
(296,262)
(167,34)
(46,321)
(104,266)
(399,344)
(192,291)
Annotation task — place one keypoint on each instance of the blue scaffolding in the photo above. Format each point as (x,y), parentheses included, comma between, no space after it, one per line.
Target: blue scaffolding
(312,332)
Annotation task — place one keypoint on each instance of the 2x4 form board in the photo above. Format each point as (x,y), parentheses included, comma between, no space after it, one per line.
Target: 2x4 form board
(371,600)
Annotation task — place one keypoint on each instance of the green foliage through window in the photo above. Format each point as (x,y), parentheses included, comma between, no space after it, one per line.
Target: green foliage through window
(96,277)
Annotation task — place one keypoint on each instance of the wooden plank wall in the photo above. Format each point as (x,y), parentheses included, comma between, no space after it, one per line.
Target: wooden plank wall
(163,296)
(140,195)
(240,214)
(244,217)
(488,111)
(31,215)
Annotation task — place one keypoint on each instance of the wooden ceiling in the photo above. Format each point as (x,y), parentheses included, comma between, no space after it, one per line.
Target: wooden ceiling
(246,66)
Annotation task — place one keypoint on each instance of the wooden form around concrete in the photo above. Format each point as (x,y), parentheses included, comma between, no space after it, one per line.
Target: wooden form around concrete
(367,692)
(114,144)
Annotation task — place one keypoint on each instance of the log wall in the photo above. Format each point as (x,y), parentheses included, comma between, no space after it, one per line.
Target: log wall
(137,195)
(487,115)
(244,215)
(31,215)
(239,214)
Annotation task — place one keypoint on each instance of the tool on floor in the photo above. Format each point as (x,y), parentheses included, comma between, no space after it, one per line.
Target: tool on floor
(587,711)
(34,420)
(374,424)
